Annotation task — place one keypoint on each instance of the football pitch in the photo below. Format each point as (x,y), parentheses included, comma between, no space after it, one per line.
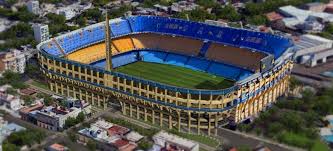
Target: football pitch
(175,76)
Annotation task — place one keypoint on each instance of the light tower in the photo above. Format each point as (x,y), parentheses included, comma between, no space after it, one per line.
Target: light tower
(108,47)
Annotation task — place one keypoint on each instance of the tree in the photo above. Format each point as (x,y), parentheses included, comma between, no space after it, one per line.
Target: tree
(227,12)
(91,145)
(70,121)
(80,117)
(257,20)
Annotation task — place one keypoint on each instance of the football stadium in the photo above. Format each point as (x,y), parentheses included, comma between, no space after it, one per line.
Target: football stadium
(175,73)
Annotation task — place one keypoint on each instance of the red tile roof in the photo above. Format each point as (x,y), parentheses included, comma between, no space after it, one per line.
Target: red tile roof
(28,91)
(57,147)
(117,130)
(273,16)
(32,108)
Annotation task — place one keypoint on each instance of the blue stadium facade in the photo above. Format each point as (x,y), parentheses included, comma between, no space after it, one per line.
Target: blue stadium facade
(256,87)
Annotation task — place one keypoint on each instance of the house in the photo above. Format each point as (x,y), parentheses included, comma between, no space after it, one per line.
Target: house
(110,136)
(53,118)
(24,112)
(28,92)
(14,61)
(10,101)
(167,141)
(56,147)
(314,6)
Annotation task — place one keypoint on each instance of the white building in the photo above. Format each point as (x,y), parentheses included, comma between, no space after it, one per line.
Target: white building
(33,7)
(14,61)
(166,141)
(53,118)
(305,20)
(10,101)
(41,32)
(311,50)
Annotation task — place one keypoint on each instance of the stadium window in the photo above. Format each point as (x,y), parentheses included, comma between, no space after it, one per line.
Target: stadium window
(101,83)
(63,65)
(89,79)
(88,71)
(50,61)
(83,77)
(70,74)
(101,75)
(58,71)
(57,63)
(94,73)
(70,67)
(76,76)
(76,68)
(95,81)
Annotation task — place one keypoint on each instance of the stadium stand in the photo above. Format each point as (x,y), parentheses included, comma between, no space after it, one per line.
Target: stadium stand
(120,27)
(204,48)
(236,56)
(168,43)
(123,44)
(272,44)
(89,54)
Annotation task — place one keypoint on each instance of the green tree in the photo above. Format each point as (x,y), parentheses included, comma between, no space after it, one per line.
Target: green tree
(80,117)
(70,121)
(92,145)
(227,12)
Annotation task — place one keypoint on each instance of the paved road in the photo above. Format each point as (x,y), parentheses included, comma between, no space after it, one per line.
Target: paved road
(233,138)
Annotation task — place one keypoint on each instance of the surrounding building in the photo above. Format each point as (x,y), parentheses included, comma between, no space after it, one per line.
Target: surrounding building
(7,128)
(57,147)
(26,111)
(314,6)
(312,50)
(167,141)
(110,136)
(304,20)
(10,101)
(33,6)
(41,32)
(14,61)
(53,118)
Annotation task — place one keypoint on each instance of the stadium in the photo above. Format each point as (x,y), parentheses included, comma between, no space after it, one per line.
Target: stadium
(172,72)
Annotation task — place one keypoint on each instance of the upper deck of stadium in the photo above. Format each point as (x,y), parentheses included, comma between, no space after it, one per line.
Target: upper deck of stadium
(236,52)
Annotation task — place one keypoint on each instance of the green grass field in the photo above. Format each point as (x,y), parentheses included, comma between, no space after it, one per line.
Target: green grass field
(176,76)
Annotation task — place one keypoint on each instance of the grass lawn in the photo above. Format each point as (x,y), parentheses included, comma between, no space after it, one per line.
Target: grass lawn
(39,84)
(176,76)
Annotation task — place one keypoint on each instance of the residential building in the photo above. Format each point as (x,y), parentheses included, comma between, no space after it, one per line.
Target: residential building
(110,136)
(304,20)
(311,50)
(33,7)
(181,6)
(53,118)
(56,147)
(25,111)
(41,32)
(167,141)
(10,101)
(314,6)
(14,61)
